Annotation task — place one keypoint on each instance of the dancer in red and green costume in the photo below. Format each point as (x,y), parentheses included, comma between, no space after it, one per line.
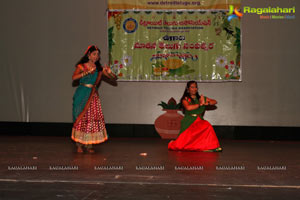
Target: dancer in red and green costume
(89,126)
(196,134)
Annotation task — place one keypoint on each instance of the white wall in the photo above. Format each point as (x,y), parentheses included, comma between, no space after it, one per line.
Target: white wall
(41,40)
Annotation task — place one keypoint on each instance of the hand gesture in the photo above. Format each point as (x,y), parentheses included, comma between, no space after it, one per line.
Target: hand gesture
(201,101)
(107,69)
(91,70)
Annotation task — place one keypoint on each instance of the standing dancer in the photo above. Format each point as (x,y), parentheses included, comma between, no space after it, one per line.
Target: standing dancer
(89,127)
(196,134)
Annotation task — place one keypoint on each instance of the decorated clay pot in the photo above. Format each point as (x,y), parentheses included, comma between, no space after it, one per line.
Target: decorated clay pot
(168,124)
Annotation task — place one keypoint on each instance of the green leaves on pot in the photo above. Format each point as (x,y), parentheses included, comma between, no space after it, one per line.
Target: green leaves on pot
(171,105)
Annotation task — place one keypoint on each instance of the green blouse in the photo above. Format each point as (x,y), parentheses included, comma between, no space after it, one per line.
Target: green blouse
(190,115)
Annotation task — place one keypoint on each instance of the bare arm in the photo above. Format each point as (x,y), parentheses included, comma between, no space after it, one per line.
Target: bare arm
(187,106)
(79,72)
(210,101)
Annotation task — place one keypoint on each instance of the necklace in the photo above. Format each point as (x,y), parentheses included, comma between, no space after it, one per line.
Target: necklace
(88,67)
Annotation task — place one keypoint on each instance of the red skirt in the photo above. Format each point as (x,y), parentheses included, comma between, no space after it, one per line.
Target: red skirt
(200,136)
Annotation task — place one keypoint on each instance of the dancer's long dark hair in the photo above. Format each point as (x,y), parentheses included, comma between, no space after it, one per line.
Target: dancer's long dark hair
(85,58)
(187,94)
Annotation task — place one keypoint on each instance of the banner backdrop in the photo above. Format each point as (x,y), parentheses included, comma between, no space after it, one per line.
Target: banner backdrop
(172,45)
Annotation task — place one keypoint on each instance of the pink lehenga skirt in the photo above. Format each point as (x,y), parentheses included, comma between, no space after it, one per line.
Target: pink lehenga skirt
(90,129)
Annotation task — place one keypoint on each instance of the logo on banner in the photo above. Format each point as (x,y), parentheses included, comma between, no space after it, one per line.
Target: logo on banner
(272,12)
(233,13)
(130,25)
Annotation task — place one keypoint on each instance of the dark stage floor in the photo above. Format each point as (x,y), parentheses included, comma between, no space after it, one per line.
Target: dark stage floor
(35,167)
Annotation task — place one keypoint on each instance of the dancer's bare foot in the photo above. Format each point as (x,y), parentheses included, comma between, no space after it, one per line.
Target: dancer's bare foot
(79,150)
(91,150)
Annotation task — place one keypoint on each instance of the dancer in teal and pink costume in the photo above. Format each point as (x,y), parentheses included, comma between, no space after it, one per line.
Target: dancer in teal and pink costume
(89,126)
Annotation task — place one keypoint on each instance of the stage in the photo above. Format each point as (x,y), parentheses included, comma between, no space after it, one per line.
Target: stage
(36,167)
